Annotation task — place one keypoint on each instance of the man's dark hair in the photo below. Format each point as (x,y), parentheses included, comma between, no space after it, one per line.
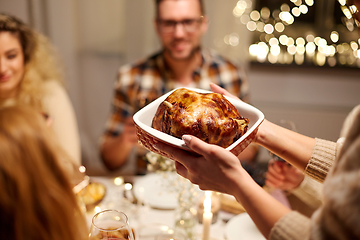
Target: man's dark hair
(157,2)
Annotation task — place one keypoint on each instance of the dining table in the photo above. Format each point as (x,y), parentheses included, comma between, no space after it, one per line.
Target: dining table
(152,210)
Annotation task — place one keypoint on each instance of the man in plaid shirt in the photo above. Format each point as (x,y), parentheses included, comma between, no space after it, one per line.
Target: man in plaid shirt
(180,26)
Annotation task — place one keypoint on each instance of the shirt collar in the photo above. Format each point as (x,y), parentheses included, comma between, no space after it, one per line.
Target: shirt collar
(167,75)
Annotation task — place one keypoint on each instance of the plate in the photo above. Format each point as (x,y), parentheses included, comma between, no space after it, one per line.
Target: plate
(146,134)
(242,227)
(154,189)
(92,194)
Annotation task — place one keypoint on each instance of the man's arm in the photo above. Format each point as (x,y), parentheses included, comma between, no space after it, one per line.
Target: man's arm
(119,136)
(116,149)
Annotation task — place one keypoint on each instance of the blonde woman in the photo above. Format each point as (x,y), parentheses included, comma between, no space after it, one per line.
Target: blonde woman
(36,200)
(30,74)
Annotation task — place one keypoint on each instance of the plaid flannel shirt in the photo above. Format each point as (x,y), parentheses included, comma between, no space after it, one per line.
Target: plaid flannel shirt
(145,81)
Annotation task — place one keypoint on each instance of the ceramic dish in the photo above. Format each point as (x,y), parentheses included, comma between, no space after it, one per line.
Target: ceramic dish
(147,134)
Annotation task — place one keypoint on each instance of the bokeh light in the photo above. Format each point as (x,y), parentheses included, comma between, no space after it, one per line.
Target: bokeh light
(283,39)
(354,46)
(290,41)
(273,41)
(255,15)
(285,8)
(260,26)
(251,26)
(300,41)
(334,36)
(303,9)
(275,50)
(265,13)
(296,11)
(291,49)
(234,39)
(309,2)
(310,38)
(268,28)
(279,27)
(310,48)
(277,44)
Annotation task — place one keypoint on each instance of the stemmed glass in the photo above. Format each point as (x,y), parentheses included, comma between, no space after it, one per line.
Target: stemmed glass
(110,225)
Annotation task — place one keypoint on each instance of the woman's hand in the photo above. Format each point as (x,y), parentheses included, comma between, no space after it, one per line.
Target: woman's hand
(212,167)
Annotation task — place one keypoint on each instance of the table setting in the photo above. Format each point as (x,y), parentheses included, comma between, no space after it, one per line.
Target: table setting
(162,205)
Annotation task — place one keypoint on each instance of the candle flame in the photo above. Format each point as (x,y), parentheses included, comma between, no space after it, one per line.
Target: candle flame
(128,186)
(207,202)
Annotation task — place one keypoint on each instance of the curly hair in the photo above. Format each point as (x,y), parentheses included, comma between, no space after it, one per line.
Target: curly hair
(36,201)
(40,60)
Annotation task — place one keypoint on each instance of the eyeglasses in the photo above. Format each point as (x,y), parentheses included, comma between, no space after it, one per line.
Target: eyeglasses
(189,25)
(350,11)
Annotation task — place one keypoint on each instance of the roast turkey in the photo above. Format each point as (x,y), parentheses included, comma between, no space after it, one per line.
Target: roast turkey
(208,116)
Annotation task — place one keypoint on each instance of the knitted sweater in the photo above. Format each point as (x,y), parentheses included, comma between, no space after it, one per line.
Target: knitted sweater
(309,192)
(339,216)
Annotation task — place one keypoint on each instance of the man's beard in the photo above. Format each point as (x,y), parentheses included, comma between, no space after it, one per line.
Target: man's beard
(185,58)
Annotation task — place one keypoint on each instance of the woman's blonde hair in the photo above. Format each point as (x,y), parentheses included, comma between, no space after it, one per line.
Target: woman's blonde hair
(36,197)
(40,60)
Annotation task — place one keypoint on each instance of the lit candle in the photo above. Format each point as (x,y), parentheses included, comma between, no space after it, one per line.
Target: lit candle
(207,216)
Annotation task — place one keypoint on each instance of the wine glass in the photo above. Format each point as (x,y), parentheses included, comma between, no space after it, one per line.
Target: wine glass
(110,225)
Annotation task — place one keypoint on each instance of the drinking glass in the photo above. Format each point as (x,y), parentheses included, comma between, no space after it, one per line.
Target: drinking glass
(110,225)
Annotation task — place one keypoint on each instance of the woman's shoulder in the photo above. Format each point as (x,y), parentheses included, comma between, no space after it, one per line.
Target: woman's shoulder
(54,93)
(54,89)
(53,85)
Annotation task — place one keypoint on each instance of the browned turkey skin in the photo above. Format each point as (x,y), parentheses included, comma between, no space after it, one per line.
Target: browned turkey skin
(210,117)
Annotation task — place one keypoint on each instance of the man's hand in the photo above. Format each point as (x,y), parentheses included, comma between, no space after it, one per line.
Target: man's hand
(129,132)
(115,150)
(283,176)
(217,89)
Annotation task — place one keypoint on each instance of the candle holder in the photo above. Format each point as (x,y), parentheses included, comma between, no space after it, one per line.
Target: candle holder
(185,213)
(215,207)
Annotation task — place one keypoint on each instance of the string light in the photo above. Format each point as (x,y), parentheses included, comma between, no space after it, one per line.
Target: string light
(255,15)
(310,48)
(268,28)
(279,27)
(303,9)
(283,39)
(284,49)
(309,2)
(296,11)
(290,41)
(334,36)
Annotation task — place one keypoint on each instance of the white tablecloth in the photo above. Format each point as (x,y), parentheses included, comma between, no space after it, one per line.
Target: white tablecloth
(144,216)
